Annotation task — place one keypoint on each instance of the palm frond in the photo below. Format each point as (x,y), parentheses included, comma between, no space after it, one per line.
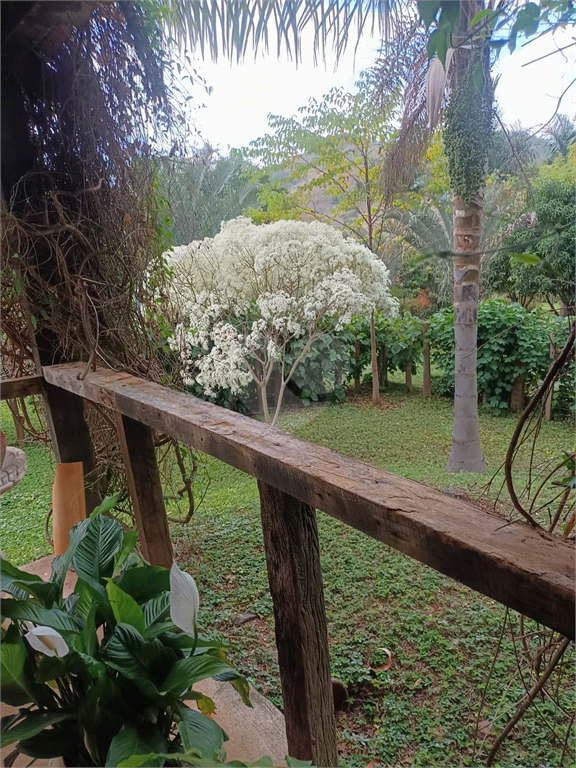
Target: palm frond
(227,28)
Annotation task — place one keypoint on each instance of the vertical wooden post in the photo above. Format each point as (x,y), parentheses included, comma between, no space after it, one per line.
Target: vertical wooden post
(548,403)
(71,437)
(295,577)
(143,479)
(13,406)
(426,378)
(517,394)
(408,375)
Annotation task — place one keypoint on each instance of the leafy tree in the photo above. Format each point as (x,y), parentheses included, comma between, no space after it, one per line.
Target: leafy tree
(537,257)
(330,159)
(561,135)
(253,295)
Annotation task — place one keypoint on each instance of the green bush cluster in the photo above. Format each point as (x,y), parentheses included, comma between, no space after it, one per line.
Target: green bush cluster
(512,342)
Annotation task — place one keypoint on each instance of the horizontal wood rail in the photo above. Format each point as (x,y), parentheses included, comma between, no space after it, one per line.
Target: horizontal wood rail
(528,571)
(22,387)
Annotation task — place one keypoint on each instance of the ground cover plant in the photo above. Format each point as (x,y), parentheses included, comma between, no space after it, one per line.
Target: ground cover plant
(441,636)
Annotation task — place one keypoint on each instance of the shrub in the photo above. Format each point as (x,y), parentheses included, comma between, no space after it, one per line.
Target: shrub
(511,342)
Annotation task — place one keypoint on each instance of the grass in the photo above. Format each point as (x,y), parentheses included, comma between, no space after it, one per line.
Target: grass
(422,711)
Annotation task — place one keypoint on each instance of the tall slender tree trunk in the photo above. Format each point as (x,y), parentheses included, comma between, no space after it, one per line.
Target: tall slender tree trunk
(466,453)
(374,361)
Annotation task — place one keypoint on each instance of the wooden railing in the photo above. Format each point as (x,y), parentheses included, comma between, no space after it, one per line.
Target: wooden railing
(520,567)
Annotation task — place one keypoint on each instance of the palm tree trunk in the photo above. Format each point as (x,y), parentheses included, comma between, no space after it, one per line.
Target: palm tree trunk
(466,454)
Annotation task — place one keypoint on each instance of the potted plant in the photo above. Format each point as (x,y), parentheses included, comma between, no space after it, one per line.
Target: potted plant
(104,676)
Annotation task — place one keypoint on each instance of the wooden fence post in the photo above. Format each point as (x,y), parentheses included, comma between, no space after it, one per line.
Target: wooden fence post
(295,577)
(408,375)
(71,439)
(143,479)
(13,406)
(426,379)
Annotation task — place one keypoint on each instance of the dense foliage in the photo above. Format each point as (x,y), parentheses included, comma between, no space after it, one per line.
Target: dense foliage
(546,236)
(512,343)
(101,676)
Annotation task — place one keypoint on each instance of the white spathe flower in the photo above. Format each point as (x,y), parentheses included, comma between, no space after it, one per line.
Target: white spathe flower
(184,600)
(47,640)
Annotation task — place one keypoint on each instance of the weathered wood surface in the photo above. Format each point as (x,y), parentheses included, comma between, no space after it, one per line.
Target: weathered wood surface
(71,439)
(143,479)
(295,578)
(530,572)
(21,387)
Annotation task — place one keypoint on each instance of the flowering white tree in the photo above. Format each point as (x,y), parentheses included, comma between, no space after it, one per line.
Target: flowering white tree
(245,294)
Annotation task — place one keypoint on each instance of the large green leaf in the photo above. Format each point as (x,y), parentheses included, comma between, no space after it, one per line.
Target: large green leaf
(62,563)
(136,658)
(129,741)
(145,582)
(17,582)
(25,610)
(90,595)
(200,732)
(186,672)
(156,609)
(129,541)
(126,610)
(93,559)
(32,724)
(15,688)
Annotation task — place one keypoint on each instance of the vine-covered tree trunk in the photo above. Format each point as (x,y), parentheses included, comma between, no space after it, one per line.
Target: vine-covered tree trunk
(466,454)
(467,136)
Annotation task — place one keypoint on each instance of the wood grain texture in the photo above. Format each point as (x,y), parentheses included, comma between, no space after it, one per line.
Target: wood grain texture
(295,578)
(526,570)
(143,479)
(21,387)
(71,439)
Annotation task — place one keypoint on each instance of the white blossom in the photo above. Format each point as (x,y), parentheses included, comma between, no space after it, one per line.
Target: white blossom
(243,295)
(184,600)
(47,641)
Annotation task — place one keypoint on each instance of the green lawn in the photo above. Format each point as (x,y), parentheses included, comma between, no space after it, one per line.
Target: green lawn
(422,711)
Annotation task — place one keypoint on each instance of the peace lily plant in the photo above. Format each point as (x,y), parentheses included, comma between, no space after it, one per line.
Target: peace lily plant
(104,677)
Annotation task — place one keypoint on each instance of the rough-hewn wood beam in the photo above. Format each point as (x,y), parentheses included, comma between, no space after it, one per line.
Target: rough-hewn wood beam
(529,571)
(21,387)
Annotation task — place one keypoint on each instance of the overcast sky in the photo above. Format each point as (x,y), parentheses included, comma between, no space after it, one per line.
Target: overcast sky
(244,94)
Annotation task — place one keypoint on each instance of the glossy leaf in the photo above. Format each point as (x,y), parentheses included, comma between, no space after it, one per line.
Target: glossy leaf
(129,741)
(25,610)
(126,610)
(33,723)
(200,732)
(93,559)
(145,582)
(186,672)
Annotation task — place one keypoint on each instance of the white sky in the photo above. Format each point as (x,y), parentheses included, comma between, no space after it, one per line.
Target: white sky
(244,94)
